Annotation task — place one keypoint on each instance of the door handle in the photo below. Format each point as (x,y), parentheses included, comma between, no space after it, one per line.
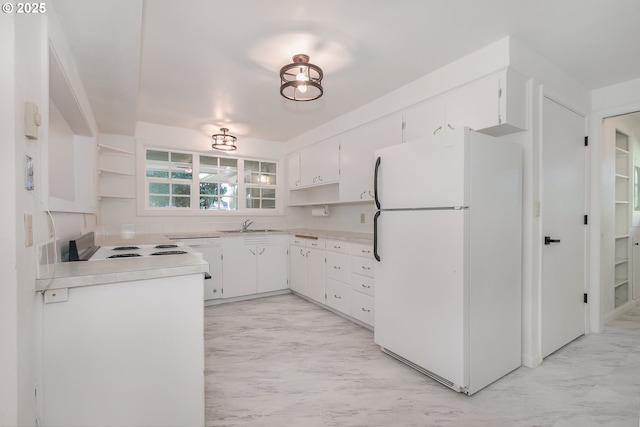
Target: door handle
(548,240)
(375,183)
(375,236)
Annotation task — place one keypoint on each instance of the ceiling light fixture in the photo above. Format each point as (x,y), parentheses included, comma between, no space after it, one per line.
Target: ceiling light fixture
(301,81)
(222,141)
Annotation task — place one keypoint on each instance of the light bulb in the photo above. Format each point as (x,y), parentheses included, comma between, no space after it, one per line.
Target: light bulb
(302,77)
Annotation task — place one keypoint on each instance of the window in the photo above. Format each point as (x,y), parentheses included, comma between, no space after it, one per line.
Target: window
(169,177)
(193,182)
(260,180)
(218,183)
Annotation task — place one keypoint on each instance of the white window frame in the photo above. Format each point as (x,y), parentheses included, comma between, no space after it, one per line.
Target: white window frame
(142,194)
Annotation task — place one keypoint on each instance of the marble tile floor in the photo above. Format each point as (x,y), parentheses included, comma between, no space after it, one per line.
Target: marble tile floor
(283,361)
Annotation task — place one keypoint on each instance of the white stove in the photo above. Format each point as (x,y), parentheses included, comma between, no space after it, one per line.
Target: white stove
(138,251)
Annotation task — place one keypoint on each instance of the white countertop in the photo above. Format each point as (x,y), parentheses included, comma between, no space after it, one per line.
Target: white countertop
(325,234)
(88,273)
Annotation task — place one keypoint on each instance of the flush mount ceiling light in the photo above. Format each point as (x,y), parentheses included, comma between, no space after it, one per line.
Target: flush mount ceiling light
(222,141)
(301,81)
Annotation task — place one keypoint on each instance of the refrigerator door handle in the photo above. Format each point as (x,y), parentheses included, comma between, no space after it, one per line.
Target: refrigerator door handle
(375,235)
(375,183)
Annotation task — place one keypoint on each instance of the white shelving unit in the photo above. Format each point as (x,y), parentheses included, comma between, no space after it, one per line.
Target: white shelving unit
(116,170)
(622,246)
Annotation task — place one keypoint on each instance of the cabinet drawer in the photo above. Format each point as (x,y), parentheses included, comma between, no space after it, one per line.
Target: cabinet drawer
(362,250)
(338,295)
(364,284)
(362,307)
(362,266)
(318,244)
(338,246)
(300,241)
(338,266)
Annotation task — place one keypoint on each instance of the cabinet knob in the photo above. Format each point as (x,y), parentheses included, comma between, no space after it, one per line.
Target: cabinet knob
(366,310)
(337,296)
(366,286)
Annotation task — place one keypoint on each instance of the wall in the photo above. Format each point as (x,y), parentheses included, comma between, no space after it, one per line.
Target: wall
(117,216)
(24,77)
(8,285)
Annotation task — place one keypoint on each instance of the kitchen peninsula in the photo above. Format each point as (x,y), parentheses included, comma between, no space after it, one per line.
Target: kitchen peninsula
(123,341)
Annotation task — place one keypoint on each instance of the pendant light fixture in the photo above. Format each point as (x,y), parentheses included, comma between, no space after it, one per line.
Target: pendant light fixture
(223,141)
(300,80)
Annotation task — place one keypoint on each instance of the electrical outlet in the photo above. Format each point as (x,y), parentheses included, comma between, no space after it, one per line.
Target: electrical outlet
(361,218)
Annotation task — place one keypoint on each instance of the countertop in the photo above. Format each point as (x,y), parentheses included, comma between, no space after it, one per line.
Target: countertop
(88,273)
(350,236)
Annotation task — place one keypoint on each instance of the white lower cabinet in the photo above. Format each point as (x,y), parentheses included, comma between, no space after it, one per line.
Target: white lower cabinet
(254,264)
(212,253)
(362,307)
(338,295)
(350,284)
(306,267)
(362,283)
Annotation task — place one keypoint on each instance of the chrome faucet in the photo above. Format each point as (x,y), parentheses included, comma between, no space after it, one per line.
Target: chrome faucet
(246,224)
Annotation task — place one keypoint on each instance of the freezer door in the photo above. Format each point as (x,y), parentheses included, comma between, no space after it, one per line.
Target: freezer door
(420,296)
(425,173)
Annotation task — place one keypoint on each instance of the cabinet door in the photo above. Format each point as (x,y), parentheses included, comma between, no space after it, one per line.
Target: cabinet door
(272,267)
(239,270)
(362,307)
(319,163)
(357,159)
(293,170)
(213,285)
(298,269)
(338,266)
(315,274)
(476,105)
(338,295)
(424,120)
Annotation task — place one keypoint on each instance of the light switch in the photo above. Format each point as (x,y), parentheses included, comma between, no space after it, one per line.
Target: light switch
(32,120)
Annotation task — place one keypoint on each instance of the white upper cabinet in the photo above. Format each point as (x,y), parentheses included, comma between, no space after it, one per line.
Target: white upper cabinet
(495,105)
(293,170)
(319,163)
(357,159)
(424,120)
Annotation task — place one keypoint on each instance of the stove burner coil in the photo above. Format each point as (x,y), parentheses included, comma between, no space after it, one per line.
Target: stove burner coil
(125,248)
(169,253)
(124,255)
(166,246)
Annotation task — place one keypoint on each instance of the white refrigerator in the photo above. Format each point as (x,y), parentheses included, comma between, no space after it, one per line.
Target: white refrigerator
(447,241)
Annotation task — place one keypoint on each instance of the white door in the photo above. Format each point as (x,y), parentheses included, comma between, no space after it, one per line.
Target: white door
(420,289)
(433,168)
(562,216)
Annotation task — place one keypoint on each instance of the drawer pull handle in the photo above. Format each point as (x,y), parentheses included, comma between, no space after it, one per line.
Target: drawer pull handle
(366,286)
(366,268)
(366,310)
(336,296)
(366,252)
(336,267)
(336,247)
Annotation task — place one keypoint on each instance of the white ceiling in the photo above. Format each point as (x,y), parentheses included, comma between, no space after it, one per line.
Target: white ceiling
(206,64)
